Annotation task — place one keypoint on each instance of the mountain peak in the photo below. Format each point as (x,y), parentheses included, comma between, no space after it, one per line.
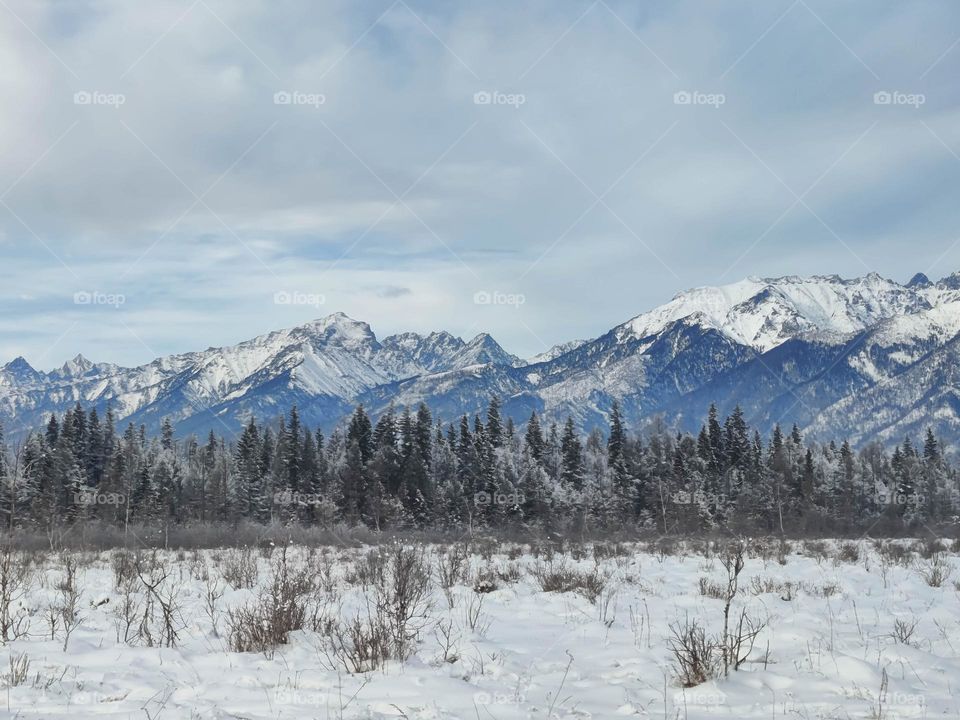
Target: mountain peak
(950,282)
(765,312)
(76,367)
(340,328)
(482,350)
(919,280)
(20,370)
(18,363)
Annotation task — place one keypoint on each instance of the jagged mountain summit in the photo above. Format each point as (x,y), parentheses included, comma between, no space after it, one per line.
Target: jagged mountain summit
(865,358)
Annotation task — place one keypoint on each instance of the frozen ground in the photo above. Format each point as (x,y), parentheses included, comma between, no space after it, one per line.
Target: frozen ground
(829,648)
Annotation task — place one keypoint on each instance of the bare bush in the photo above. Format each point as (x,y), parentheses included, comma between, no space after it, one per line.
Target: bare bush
(276,611)
(19,670)
(817,549)
(404,598)
(448,640)
(558,576)
(694,652)
(935,571)
(127,611)
(370,571)
(213,592)
(736,642)
(453,566)
(903,631)
(486,581)
(761,585)
(15,578)
(122,564)
(396,582)
(67,607)
(848,553)
(711,589)
(239,568)
(474,617)
(358,645)
(161,620)
(509,573)
(895,553)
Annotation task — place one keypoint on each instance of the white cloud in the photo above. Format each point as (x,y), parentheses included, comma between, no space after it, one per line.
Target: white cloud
(306,194)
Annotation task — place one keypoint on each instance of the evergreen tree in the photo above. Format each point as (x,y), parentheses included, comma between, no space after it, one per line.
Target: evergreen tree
(572,451)
(360,431)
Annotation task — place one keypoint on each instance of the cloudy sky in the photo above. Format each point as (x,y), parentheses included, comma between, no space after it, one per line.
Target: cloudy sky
(184,174)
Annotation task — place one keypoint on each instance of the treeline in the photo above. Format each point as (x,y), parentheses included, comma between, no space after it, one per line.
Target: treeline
(406,470)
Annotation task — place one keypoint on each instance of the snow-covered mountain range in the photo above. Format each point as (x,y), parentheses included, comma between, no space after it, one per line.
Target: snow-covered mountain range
(866,358)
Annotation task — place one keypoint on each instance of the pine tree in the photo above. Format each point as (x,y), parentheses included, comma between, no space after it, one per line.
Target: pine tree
(360,431)
(353,486)
(572,452)
(494,425)
(534,438)
(251,501)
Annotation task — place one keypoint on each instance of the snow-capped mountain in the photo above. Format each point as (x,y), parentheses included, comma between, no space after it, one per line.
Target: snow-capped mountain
(862,358)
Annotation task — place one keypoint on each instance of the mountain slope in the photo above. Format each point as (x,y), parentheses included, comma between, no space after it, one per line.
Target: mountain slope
(865,357)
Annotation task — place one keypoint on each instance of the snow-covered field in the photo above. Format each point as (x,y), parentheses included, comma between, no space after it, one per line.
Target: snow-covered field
(849,631)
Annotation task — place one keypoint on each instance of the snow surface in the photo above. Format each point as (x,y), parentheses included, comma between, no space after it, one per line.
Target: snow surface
(764,312)
(827,645)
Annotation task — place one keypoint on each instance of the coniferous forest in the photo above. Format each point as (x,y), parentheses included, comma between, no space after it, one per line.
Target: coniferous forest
(404,470)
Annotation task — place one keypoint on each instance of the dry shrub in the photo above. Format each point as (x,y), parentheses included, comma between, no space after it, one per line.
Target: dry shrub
(824,591)
(509,573)
(817,549)
(370,571)
(453,566)
(848,553)
(161,620)
(935,571)
(929,548)
(277,610)
(122,564)
(515,552)
(609,550)
(486,581)
(238,566)
(712,589)
(358,645)
(19,670)
(696,654)
(895,553)
(903,630)
(15,577)
(763,585)
(559,576)
(396,582)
